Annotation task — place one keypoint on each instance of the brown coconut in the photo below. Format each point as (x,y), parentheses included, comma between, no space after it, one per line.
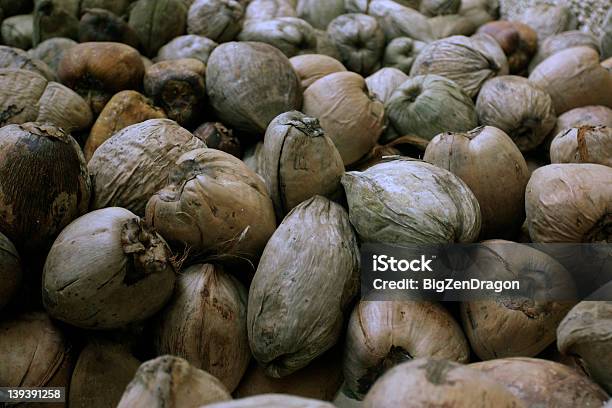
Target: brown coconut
(518,40)
(187,46)
(586,144)
(217,136)
(563,41)
(311,67)
(105,26)
(384,82)
(52,50)
(596,115)
(219,20)
(293,36)
(14,58)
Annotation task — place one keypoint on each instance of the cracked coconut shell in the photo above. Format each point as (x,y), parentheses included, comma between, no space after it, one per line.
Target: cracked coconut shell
(135,163)
(300,161)
(585,144)
(313,257)
(10,270)
(311,67)
(293,36)
(214,204)
(171,382)
(570,203)
(106,270)
(205,323)
(383,334)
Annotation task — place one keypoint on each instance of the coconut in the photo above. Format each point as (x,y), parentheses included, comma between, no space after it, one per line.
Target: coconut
(291,35)
(517,326)
(135,163)
(254,159)
(34,352)
(219,20)
(543,383)
(10,270)
(124,109)
(324,44)
(272,401)
(238,73)
(156,22)
(397,20)
(585,332)
(558,211)
(217,136)
(407,201)
(300,161)
(432,8)
(359,40)
(319,13)
(384,82)
(427,105)
(98,70)
(518,41)
(459,59)
(240,216)
(426,382)
(313,256)
(311,67)
(382,334)
(492,166)
(261,10)
(448,25)
(33,214)
(578,117)
(28,97)
(187,46)
(179,88)
(518,107)
(562,41)
(17,31)
(480,12)
(350,116)
(321,379)
(586,144)
(14,58)
(401,52)
(103,25)
(487,44)
(547,19)
(205,323)
(171,382)
(574,78)
(51,51)
(101,374)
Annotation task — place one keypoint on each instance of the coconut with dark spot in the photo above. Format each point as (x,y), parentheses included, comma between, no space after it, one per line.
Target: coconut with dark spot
(217,136)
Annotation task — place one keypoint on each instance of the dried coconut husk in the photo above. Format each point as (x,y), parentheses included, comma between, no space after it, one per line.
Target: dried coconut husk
(548,19)
(313,256)
(479,12)
(100,375)
(187,46)
(490,46)
(300,161)
(574,78)
(103,25)
(238,73)
(17,31)
(205,323)
(213,204)
(311,67)
(517,326)
(51,51)
(359,40)
(459,59)
(492,166)
(156,22)
(325,46)
(383,334)
(542,383)
(261,10)
(122,272)
(135,163)
(585,332)
(397,20)
(349,115)
(34,209)
(254,159)
(179,88)
(219,20)
(431,8)
(578,117)
(34,353)
(217,136)
(384,82)
(448,25)
(427,105)
(321,379)
(558,211)
(424,382)
(124,109)
(586,144)
(394,202)
(518,107)
(563,41)
(28,97)
(319,13)
(401,52)
(10,270)
(518,41)
(272,401)
(291,35)
(171,382)
(14,58)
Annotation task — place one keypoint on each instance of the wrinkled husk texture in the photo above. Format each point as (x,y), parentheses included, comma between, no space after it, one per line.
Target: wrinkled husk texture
(272,401)
(583,145)
(397,20)
(17,31)
(518,41)
(291,35)
(595,115)
(187,46)
(439,7)
(156,22)
(15,58)
(51,51)
(401,52)
(384,82)
(10,270)
(219,20)
(135,163)
(269,9)
(312,67)
(313,256)
(393,202)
